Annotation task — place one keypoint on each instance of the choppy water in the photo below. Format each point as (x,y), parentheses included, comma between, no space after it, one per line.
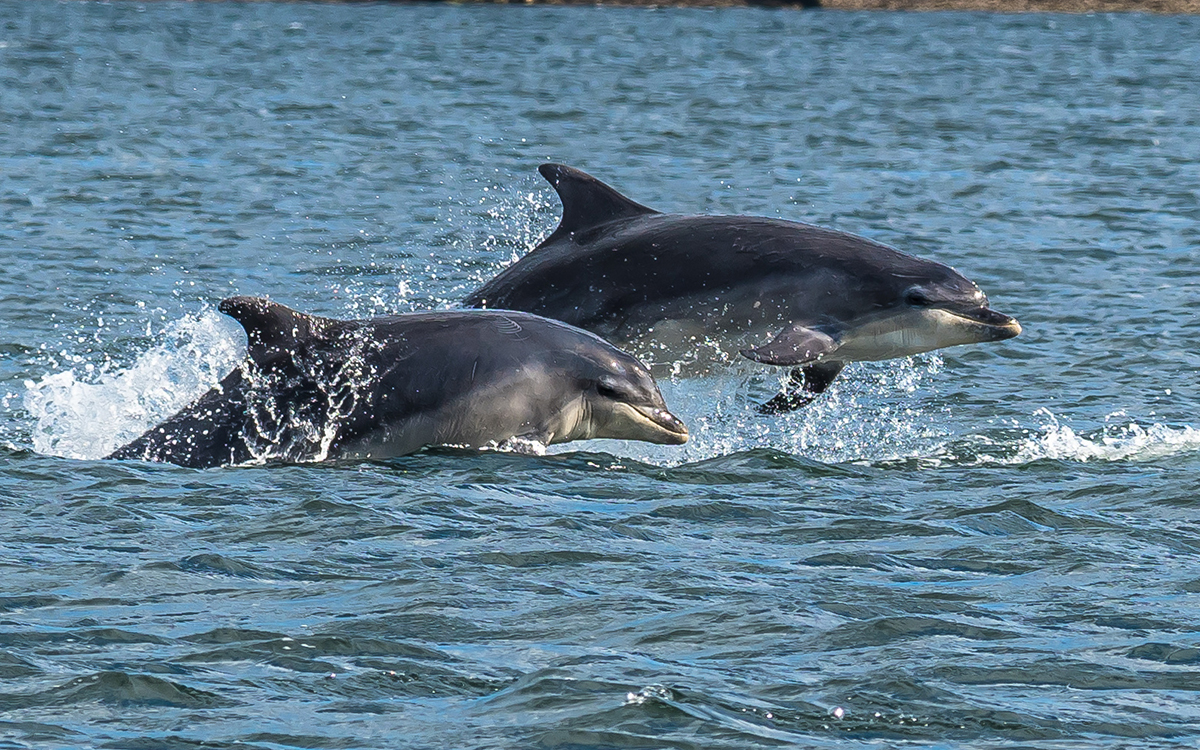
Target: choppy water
(993,546)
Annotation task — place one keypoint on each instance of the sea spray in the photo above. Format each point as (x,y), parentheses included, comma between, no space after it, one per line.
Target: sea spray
(877,411)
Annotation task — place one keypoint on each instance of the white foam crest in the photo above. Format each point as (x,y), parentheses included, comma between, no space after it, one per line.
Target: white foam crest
(1123,441)
(90,415)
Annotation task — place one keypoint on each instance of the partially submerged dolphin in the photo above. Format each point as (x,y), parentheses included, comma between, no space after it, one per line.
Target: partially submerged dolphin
(780,292)
(315,388)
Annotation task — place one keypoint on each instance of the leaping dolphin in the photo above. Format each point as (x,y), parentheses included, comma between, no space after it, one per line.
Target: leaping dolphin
(315,388)
(778,292)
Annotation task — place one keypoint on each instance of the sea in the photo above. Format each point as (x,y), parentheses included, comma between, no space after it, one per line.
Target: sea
(989,546)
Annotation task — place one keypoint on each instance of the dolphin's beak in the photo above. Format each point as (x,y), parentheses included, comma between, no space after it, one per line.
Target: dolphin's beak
(997,326)
(662,426)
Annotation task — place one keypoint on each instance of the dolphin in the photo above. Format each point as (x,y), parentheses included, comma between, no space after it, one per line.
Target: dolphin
(779,292)
(315,388)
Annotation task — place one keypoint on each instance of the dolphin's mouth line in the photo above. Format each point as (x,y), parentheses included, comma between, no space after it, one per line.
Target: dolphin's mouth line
(986,316)
(666,422)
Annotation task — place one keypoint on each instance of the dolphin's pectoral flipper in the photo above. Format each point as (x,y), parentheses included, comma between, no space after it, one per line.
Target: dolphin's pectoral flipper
(803,346)
(795,345)
(270,326)
(587,202)
(803,387)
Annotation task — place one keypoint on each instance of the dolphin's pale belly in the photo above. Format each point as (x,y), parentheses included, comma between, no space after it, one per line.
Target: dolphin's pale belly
(891,343)
(908,332)
(424,431)
(692,339)
(691,335)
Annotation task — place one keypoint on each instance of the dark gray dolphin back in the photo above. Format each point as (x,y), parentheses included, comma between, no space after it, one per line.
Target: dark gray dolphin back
(615,267)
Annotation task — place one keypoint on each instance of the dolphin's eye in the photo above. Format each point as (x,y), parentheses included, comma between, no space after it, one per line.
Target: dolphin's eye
(917,298)
(610,390)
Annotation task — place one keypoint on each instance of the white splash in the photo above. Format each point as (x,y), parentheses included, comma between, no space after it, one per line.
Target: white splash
(876,412)
(1125,441)
(518,444)
(90,415)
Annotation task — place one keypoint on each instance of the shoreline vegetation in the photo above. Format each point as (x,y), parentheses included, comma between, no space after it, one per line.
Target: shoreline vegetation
(1165,7)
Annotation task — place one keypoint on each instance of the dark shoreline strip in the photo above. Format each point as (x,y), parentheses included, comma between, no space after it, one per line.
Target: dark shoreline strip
(1159,7)
(1162,7)
(1169,7)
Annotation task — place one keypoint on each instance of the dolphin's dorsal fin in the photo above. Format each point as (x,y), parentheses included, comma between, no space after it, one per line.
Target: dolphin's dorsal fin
(587,202)
(270,327)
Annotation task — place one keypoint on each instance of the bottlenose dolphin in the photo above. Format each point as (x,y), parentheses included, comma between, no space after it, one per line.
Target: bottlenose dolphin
(316,388)
(778,292)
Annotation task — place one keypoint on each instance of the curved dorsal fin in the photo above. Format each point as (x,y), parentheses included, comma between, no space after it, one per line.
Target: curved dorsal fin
(270,327)
(587,202)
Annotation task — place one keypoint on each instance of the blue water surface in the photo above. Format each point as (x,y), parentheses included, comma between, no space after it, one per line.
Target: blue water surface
(991,547)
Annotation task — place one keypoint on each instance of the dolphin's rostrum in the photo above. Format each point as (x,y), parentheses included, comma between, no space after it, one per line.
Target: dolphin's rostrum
(313,388)
(779,292)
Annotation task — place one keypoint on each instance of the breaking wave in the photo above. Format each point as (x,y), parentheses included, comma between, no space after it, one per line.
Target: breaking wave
(87,413)
(1117,441)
